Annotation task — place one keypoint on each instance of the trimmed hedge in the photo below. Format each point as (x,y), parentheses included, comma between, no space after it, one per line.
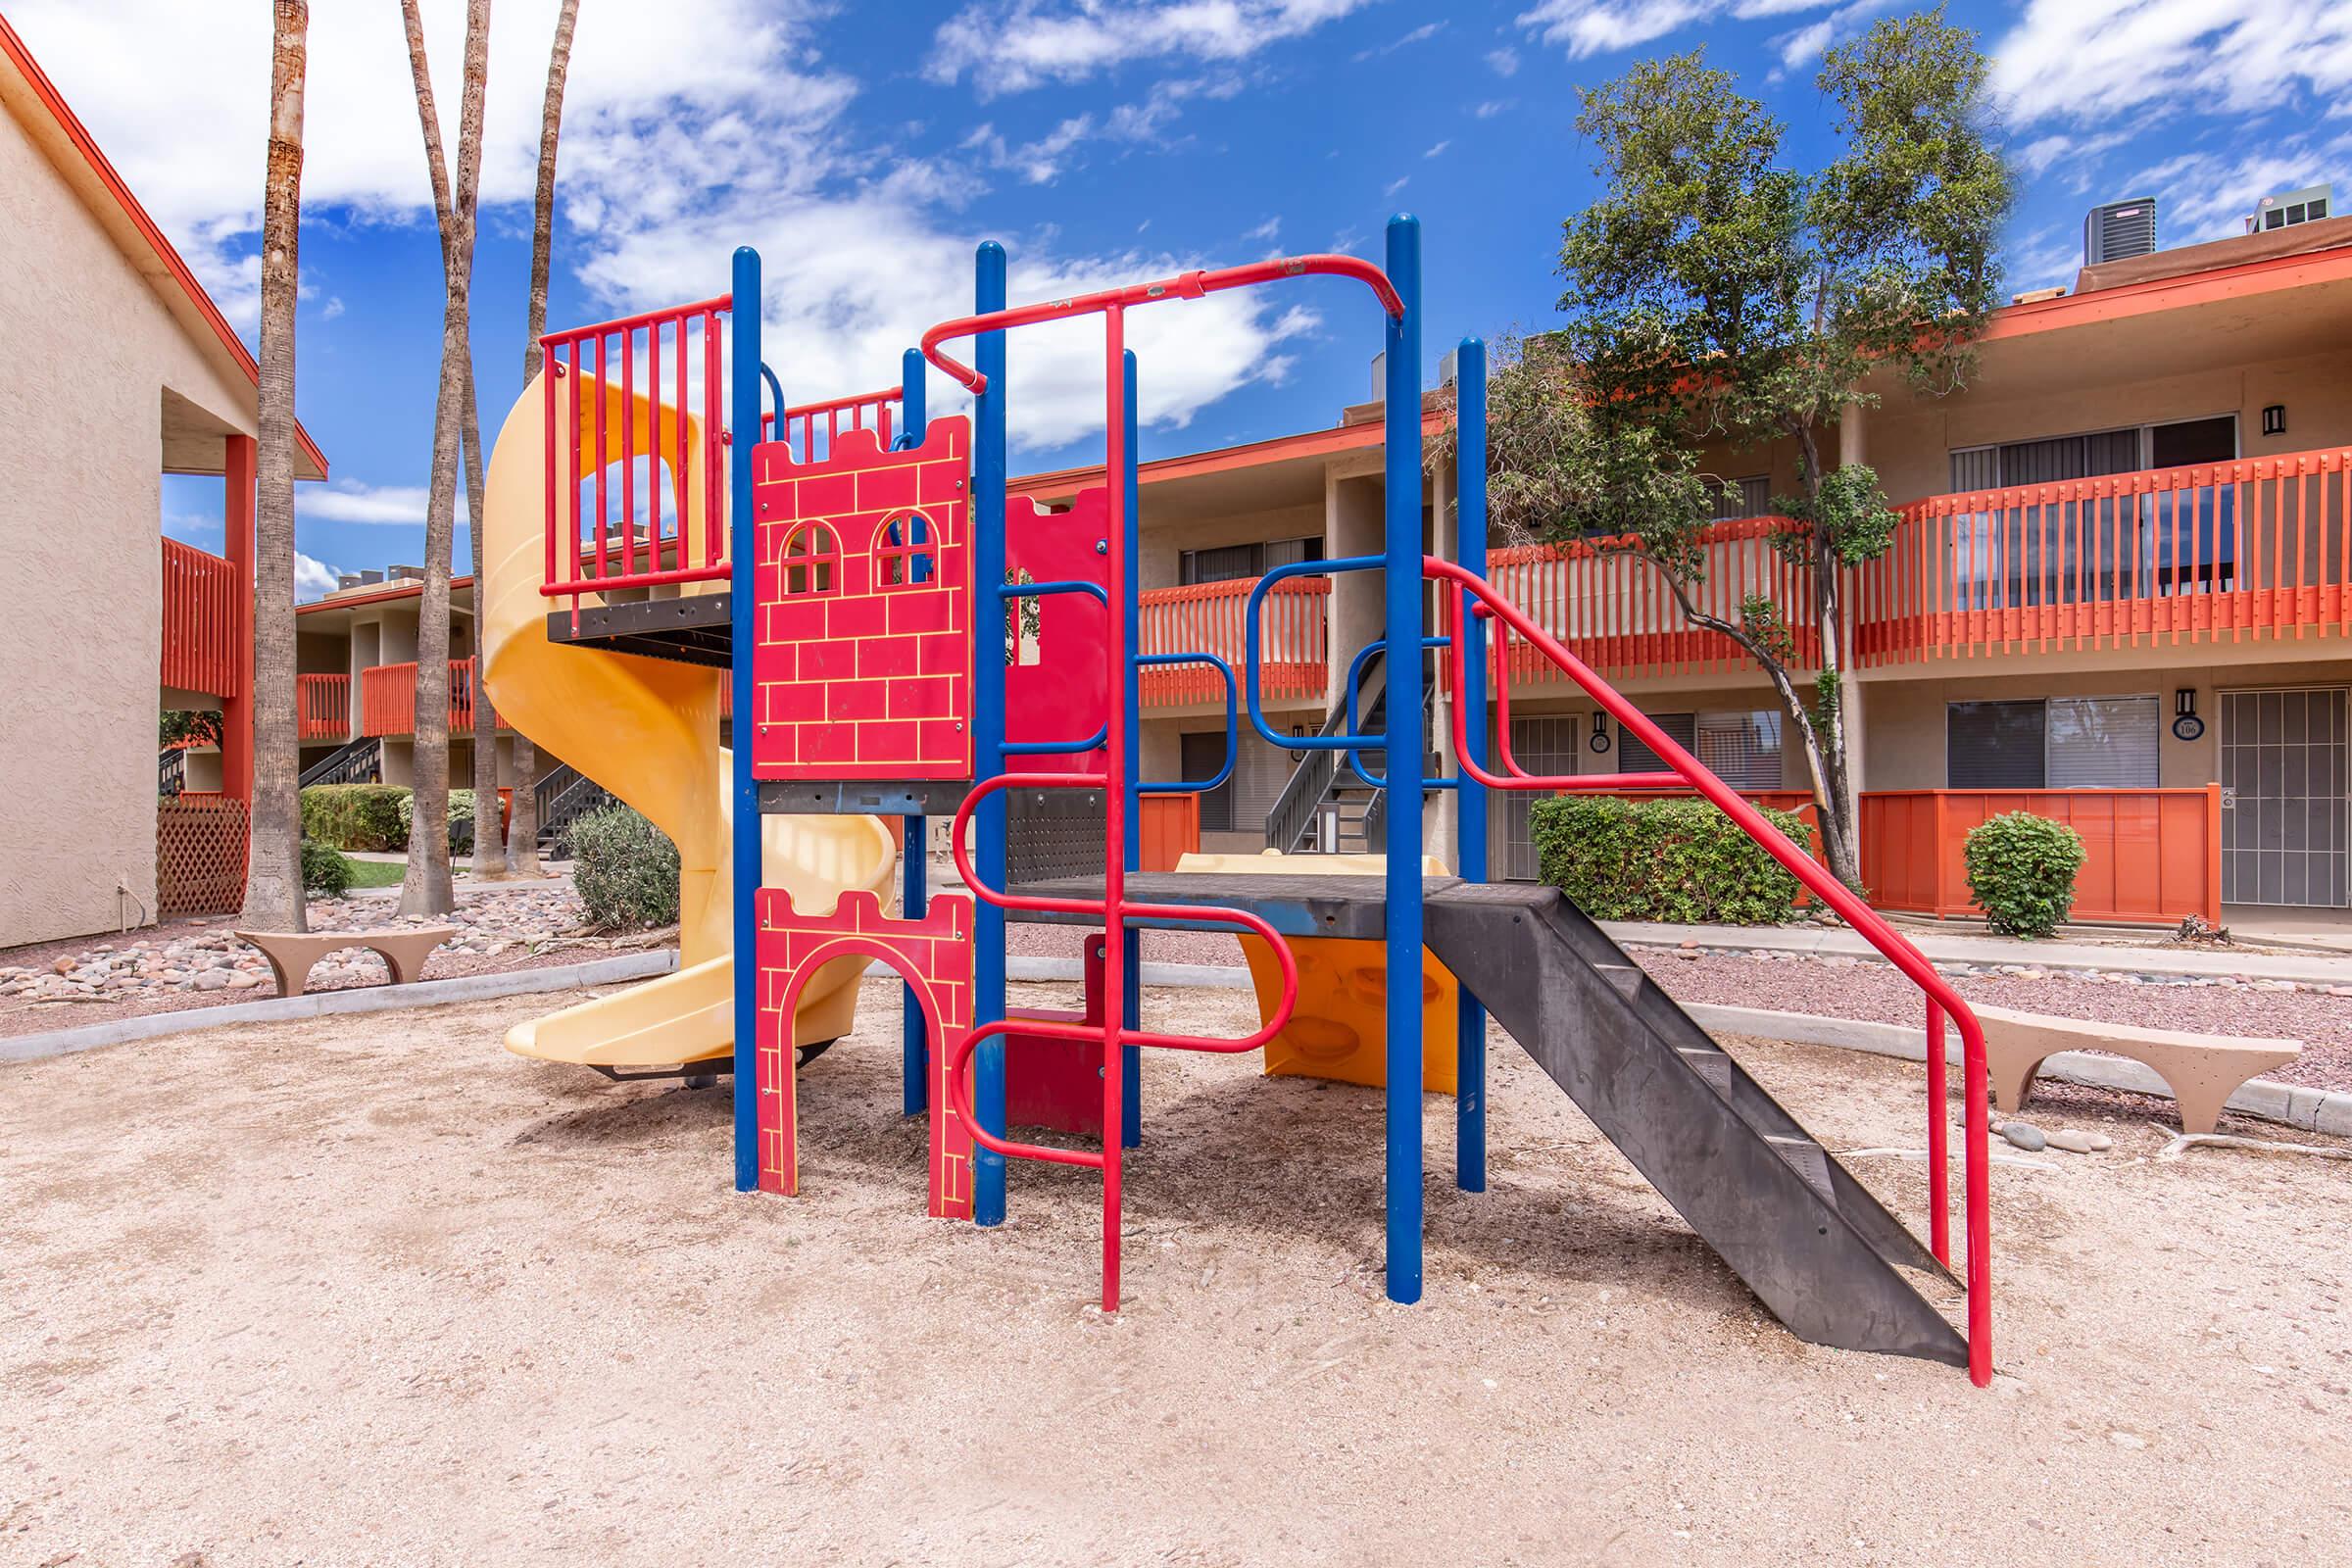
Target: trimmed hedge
(325,873)
(625,869)
(357,816)
(1677,861)
(461,819)
(2021,869)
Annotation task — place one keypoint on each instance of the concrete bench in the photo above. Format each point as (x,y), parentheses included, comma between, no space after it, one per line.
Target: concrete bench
(291,954)
(2202,1070)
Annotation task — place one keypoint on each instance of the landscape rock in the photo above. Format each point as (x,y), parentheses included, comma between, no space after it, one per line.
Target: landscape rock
(2024,1136)
(2073,1142)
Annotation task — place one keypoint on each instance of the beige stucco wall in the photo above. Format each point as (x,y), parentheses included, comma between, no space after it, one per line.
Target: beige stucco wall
(91,352)
(1905,734)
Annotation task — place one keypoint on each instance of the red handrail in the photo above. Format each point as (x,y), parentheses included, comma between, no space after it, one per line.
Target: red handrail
(1184,287)
(1941,998)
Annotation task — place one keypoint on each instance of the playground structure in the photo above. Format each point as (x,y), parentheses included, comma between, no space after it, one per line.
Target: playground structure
(899,642)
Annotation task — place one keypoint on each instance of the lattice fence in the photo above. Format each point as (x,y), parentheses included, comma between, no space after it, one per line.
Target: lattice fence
(199,855)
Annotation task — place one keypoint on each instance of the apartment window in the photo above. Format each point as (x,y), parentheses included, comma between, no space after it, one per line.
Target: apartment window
(1200,755)
(1238,562)
(1742,749)
(2125,450)
(1744,498)
(2059,743)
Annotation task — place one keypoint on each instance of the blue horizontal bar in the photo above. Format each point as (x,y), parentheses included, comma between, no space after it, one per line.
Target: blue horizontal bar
(1251,661)
(1233,739)
(1038,590)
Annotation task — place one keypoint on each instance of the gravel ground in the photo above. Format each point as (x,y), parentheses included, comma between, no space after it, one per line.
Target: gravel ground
(1835,987)
(368,1291)
(502,929)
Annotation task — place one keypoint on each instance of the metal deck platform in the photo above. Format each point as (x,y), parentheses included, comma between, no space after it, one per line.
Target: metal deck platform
(695,629)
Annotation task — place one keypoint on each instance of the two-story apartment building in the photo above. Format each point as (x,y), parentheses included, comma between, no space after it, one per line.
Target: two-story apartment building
(2121,594)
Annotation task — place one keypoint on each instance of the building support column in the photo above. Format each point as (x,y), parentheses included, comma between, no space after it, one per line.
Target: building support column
(236,706)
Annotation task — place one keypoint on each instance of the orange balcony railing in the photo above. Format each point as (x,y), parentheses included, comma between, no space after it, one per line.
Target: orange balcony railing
(388,699)
(323,706)
(1617,613)
(1293,639)
(2261,547)
(200,620)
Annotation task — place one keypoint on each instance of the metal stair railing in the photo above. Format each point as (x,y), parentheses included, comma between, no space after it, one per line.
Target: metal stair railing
(1299,806)
(360,761)
(170,772)
(1467,595)
(564,797)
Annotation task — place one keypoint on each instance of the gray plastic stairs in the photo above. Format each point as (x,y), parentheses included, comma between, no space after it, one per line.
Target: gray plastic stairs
(1822,1253)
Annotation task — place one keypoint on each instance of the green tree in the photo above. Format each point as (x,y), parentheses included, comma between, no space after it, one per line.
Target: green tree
(1719,295)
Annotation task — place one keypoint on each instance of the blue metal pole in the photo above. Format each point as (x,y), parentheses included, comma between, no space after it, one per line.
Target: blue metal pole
(1470,529)
(746,867)
(1131,1058)
(987,727)
(1403,759)
(914,893)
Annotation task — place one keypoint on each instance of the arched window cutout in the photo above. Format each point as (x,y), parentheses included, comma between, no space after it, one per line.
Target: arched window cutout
(902,551)
(811,561)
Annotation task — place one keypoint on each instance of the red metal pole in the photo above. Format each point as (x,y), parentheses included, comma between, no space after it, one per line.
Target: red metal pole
(1939,1182)
(1114,790)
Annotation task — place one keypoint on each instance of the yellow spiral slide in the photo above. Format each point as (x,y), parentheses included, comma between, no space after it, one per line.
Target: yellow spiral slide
(647,729)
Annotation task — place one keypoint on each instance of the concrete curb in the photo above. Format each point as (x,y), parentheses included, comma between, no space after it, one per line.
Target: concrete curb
(2291,1104)
(1822,942)
(319,1004)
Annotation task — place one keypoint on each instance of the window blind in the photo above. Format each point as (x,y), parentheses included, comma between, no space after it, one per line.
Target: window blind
(2102,743)
(1993,746)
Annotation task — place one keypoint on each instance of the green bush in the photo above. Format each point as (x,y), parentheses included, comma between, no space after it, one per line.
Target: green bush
(1680,861)
(461,819)
(325,873)
(626,870)
(357,816)
(2022,869)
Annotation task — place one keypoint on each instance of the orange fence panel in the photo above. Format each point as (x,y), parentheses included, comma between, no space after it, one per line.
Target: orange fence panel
(388,699)
(1170,829)
(323,706)
(200,620)
(2150,856)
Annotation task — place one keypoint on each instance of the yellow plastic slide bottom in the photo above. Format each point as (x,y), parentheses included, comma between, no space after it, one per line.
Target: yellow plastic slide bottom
(1339,1027)
(647,729)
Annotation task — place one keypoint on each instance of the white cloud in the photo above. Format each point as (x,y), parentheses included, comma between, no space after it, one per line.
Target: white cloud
(1395,185)
(675,152)
(1437,149)
(2207,196)
(1503,62)
(1494,106)
(1267,231)
(2068,61)
(1588,27)
(1421,34)
(313,578)
(1015,46)
(352,500)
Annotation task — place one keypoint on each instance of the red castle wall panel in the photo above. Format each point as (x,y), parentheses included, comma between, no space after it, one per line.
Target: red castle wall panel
(1057,687)
(865,584)
(932,954)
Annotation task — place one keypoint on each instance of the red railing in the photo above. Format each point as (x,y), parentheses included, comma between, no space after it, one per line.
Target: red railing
(388,699)
(200,620)
(2150,856)
(1469,593)
(2261,547)
(323,706)
(1207,618)
(628,437)
(1616,611)
(636,452)
(806,422)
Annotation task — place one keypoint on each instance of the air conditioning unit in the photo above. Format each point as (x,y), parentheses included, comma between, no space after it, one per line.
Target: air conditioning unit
(2118,229)
(2306,205)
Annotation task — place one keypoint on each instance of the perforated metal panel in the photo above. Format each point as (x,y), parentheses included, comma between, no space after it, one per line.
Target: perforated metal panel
(1052,834)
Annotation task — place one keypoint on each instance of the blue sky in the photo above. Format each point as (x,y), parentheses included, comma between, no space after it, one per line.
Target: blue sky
(1101,140)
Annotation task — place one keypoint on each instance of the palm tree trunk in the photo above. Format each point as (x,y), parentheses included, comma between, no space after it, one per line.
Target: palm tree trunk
(489,842)
(522,846)
(425,890)
(274,899)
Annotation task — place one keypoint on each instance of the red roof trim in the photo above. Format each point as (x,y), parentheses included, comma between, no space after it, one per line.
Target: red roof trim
(85,144)
(406,588)
(2181,289)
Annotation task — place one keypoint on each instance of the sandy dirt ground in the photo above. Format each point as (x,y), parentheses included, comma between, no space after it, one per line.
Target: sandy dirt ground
(368,1291)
